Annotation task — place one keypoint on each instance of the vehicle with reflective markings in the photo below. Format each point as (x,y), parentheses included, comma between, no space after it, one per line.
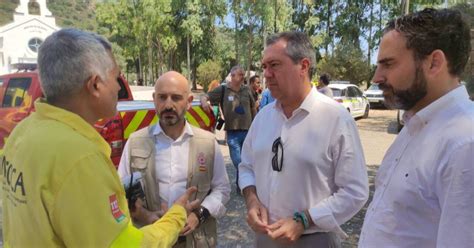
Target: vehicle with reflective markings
(18,91)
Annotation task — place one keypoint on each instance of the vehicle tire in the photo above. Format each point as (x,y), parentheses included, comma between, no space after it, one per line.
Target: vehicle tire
(366,112)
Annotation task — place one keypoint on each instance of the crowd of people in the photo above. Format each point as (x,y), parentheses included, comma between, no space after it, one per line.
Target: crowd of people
(299,162)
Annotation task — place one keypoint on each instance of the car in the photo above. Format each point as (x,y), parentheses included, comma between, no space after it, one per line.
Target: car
(400,121)
(375,95)
(352,98)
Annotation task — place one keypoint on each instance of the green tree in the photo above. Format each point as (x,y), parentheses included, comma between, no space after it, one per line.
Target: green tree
(347,63)
(208,71)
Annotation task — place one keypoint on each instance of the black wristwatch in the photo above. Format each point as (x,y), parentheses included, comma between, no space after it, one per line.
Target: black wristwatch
(202,213)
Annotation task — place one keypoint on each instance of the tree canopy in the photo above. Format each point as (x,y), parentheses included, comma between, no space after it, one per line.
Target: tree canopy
(153,36)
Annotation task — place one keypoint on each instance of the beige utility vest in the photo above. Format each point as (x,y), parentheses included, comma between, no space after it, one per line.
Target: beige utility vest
(200,171)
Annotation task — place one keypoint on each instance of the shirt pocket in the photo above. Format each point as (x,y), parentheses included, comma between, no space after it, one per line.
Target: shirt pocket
(139,159)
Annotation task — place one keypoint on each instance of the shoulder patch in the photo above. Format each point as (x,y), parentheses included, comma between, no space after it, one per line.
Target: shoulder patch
(114,207)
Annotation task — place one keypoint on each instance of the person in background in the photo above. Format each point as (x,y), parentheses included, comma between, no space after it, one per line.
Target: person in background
(61,189)
(179,156)
(266,98)
(300,183)
(214,84)
(239,109)
(424,188)
(323,85)
(255,88)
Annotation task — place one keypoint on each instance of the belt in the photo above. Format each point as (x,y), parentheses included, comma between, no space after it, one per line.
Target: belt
(315,233)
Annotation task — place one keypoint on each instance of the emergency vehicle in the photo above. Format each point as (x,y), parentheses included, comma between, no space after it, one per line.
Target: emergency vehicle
(18,91)
(351,97)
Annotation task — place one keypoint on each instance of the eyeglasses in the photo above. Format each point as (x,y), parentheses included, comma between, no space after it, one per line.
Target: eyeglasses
(277,160)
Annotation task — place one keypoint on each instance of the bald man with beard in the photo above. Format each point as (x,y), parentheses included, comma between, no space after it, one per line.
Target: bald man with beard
(173,156)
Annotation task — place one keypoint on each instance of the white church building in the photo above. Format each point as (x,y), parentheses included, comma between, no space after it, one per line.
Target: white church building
(20,40)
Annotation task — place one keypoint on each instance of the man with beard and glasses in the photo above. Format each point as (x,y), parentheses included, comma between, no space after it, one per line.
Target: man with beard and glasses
(424,189)
(172,156)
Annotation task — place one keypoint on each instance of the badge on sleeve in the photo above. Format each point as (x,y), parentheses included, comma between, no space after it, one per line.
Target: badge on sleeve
(201,159)
(114,207)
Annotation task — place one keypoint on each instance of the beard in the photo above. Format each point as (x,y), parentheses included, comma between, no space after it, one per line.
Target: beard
(405,99)
(170,117)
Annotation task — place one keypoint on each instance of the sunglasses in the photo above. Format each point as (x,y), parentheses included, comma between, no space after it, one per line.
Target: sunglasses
(277,160)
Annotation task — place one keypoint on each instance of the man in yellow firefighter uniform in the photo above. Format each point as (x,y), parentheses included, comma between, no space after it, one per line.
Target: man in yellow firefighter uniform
(60,188)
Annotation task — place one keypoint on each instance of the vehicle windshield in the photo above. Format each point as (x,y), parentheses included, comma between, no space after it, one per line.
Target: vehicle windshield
(374,87)
(336,92)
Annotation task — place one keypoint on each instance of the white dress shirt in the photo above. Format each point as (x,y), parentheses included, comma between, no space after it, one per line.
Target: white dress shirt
(424,189)
(172,169)
(323,163)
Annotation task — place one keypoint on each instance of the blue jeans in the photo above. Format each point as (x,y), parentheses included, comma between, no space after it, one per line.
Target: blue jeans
(235,141)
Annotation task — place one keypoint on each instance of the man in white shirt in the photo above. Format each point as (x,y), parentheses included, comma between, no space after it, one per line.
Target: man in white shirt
(172,156)
(424,189)
(323,87)
(303,170)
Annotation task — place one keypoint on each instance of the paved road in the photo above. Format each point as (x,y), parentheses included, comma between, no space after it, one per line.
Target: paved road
(377,133)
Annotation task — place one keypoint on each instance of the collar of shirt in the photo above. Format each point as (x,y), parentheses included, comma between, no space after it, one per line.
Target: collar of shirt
(416,122)
(187,132)
(305,105)
(73,120)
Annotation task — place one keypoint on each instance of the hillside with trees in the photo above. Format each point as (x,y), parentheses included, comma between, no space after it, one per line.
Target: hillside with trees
(70,13)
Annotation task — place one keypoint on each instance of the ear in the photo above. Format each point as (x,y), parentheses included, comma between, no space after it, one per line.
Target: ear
(305,66)
(92,85)
(436,63)
(190,100)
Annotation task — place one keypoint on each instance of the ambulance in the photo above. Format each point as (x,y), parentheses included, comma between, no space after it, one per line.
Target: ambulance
(18,92)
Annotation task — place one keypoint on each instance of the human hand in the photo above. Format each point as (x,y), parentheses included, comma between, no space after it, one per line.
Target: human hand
(285,231)
(183,200)
(191,224)
(205,105)
(257,216)
(143,216)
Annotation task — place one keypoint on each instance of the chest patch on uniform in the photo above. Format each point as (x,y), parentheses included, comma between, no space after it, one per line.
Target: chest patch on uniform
(114,207)
(201,159)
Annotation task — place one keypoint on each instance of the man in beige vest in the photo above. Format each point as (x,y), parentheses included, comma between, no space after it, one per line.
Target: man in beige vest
(173,156)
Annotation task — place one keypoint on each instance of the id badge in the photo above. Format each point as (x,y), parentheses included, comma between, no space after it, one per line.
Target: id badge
(230,98)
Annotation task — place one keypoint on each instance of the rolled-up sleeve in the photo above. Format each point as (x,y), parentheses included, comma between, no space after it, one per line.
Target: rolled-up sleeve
(350,178)
(220,187)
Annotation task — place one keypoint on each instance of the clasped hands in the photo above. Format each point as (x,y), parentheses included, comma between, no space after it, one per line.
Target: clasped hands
(285,231)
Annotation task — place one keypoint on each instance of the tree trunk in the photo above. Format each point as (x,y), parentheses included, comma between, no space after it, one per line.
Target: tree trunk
(188,53)
(250,48)
(236,25)
(369,39)
(140,71)
(194,73)
(150,61)
(328,27)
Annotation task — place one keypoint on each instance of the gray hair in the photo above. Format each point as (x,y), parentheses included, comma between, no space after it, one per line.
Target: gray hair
(298,47)
(68,58)
(237,68)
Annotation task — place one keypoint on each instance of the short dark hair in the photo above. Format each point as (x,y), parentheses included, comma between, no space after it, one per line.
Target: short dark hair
(253,78)
(298,47)
(430,29)
(324,78)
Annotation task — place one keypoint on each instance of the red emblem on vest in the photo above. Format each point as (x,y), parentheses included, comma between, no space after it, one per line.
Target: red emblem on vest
(114,207)
(201,159)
